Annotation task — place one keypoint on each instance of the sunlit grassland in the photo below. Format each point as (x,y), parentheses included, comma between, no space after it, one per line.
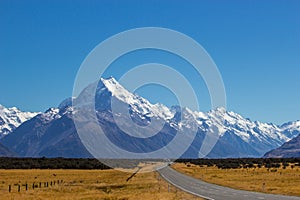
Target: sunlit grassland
(87,184)
(273,180)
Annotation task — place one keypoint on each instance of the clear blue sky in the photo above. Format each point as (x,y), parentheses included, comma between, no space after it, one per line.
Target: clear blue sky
(255,44)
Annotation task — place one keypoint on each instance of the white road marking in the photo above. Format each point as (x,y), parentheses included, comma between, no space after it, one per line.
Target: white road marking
(208,198)
(187,185)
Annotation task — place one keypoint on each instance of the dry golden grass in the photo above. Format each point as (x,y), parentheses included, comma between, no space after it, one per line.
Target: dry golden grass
(88,184)
(275,181)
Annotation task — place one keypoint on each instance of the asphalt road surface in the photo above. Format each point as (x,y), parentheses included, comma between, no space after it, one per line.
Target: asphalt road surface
(211,191)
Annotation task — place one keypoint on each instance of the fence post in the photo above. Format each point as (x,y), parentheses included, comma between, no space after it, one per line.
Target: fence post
(19,188)
(9,188)
(26,186)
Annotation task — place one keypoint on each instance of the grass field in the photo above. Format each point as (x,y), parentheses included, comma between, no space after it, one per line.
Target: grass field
(275,181)
(87,184)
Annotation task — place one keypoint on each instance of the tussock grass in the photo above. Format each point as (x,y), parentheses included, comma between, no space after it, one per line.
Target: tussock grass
(88,184)
(274,180)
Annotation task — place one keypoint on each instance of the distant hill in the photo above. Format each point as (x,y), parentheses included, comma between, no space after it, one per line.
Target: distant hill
(287,150)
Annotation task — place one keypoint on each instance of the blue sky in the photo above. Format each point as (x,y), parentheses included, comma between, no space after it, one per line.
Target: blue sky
(255,44)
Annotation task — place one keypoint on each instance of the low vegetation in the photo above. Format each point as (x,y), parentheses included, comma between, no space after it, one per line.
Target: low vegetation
(236,163)
(86,184)
(276,176)
(50,163)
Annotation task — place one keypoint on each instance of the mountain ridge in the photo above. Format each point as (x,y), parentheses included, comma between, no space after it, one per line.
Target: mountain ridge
(238,136)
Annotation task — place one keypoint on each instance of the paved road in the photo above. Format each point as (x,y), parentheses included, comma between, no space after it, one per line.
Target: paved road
(211,191)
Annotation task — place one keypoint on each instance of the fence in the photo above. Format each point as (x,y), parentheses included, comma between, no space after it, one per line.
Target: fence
(25,187)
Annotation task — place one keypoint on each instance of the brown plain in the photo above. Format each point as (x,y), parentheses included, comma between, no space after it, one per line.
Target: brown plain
(87,184)
(274,181)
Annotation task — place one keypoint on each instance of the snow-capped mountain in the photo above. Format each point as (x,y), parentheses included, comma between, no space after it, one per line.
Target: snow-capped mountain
(53,133)
(239,136)
(11,118)
(50,134)
(290,148)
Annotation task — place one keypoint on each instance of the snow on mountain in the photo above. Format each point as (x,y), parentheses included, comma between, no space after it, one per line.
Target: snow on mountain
(50,114)
(137,103)
(11,118)
(235,130)
(242,127)
(291,129)
(245,128)
(56,113)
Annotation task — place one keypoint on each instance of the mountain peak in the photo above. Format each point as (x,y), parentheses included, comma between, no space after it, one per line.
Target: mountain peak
(220,110)
(138,104)
(111,79)
(118,90)
(111,83)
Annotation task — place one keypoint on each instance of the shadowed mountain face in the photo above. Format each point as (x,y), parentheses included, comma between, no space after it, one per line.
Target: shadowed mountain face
(290,149)
(5,152)
(53,133)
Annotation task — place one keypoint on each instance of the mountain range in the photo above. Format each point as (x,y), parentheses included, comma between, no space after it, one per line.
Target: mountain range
(53,133)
